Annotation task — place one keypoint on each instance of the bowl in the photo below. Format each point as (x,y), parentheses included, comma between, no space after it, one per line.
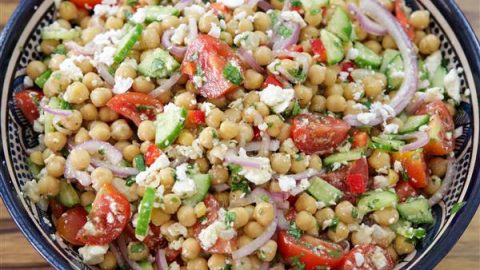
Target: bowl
(18,45)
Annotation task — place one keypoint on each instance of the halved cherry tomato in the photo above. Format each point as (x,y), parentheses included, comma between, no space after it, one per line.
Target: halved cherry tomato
(404,190)
(87,4)
(70,223)
(360,139)
(322,135)
(340,178)
(56,208)
(271,79)
(414,164)
(356,183)
(27,101)
(210,56)
(153,152)
(310,251)
(403,19)
(348,66)
(195,118)
(133,105)
(441,123)
(319,49)
(109,216)
(368,253)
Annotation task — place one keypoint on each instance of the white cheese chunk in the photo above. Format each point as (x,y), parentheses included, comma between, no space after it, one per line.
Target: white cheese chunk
(293,16)
(276,97)
(184,186)
(93,254)
(122,85)
(231,3)
(254,175)
(433,94)
(452,84)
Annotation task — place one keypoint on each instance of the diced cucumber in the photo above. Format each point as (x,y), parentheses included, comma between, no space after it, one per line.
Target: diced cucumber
(34,168)
(416,210)
(438,77)
(405,229)
(127,42)
(388,56)
(340,24)
(68,196)
(158,63)
(55,31)
(169,125)
(146,265)
(423,72)
(367,58)
(159,13)
(323,191)
(202,184)
(390,144)
(139,162)
(145,213)
(343,157)
(54,103)
(413,123)
(314,5)
(333,46)
(395,72)
(433,62)
(42,79)
(376,200)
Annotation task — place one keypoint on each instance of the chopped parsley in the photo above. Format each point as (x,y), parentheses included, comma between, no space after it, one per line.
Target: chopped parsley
(60,49)
(354,212)
(130,181)
(265,198)
(143,108)
(296,110)
(132,2)
(88,208)
(137,248)
(456,207)
(299,157)
(404,175)
(65,152)
(335,253)
(294,231)
(298,74)
(226,267)
(64,105)
(242,186)
(229,219)
(297,265)
(314,11)
(232,74)
(202,219)
(333,225)
(101,151)
(284,31)
(296,3)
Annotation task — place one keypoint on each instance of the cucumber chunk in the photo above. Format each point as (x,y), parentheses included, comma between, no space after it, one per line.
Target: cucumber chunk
(438,77)
(367,58)
(202,183)
(159,13)
(391,145)
(34,168)
(405,229)
(416,210)
(314,5)
(340,24)
(388,56)
(324,192)
(158,63)
(54,103)
(395,72)
(55,31)
(42,79)
(127,42)
(333,46)
(169,125)
(67,196)
(343,157)
(145,213)
(376,200)
(414,122)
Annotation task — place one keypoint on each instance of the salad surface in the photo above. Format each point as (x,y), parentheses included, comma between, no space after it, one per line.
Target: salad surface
(240,134)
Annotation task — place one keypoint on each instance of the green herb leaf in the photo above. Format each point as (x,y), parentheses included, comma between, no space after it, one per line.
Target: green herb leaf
(137,248)
(296,3)
(456,207)
(284,31)
(297,265)
(242,186)
(226,267)
(232,74)
(130,181)
(354,212)
(333,225)
(132,2)
(314,11)
(298,74)
(229,219)
(335,253)
(60,49)
(294,231)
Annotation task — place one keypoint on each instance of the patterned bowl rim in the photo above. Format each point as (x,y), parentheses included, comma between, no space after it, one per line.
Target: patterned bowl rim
(451,15)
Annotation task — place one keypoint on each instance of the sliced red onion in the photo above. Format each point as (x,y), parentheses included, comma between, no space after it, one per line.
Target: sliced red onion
(265,145)
(304,175)
(264,5)
(286,5)
(112,154)
(417,101)
(252,3)
(161,260)
(409,86)
(59,112)
(279,196)
(106,76)
(368,25)
(71,173)
(280,43)
(74,47)
(116,170)
(248,58)
(255,146)
(282,221)
(122,244)
(242,161)
(178,51)
(118,255)
(166,85)
(447,181)
(345,245)
(299,57)
(421,139)
(181,6)
(221,187)
(58,126)
(258,242)
(192,28)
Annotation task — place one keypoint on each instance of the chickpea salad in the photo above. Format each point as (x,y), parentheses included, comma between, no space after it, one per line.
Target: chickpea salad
(240,134)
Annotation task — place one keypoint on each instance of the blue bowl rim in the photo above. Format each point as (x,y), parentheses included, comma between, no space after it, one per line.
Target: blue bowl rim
(448,8)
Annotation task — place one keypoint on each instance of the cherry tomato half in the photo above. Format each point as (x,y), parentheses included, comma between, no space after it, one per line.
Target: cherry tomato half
(133,105)
(27,101)
(70,223)
(368,257)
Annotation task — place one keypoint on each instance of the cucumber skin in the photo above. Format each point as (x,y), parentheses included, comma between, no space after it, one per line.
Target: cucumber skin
(388,56)
(133,36)
(158,63)
(341,157)
(321,190)
(340,24)
(438,77)
(333,46)
(366,57)
(67,196)
(145,212)
(376,200)
(172,136)
(416,211)
(202,184)
(395,65)
(411,127)
(60,34)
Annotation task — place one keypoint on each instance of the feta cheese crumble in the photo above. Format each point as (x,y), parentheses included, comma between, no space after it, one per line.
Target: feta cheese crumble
(452,85)
(293,16)
(276,97)
(286,183)
(254,175)
(93,254)
(122,85)
(218,229)
(184,186)
(148,177)
(231,3)
(433,94)
(68,68)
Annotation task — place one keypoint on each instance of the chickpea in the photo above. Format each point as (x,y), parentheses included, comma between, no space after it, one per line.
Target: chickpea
(190,249)
(89,33)
(74,121)
(306,203)
(150,39)
(246,133)
(114,23)
(379,160)
(241,217)
(67,11)
(215,118)
(280,162)
(100,131)
(102,176)
(318,104)
(80,159)
(438,166)
(159,217)
(253,229)
(216,262)
(143,85)
(420,19)
(109,261)
(202,164)
(244,240)
(264,213)
(267,252)
(120,130)
(137,251)
(373,87)
(197,264)
(48,185)
(313,18)
(88,112)
(76,93)
(48,45)
(229,130)
(429,44)
(374,46)
(37,158)
(304,94)
(107,115)
(226,37)
(263,55)
(100,96)
(262,21)
(433,185)
(167,178)
(35,69)
(55,141)
(87,198)
(186,100)
(253,80)
(205,22)
(361,237)
(274,123)
(130,151)
(403,246)
(299,163)
(419,35)
(324,214)
(171,202)
(388,42)
(339,233)
(219,174)
(200,209)
(234,115)
(317,74)
(81,136)
(346,212)
(383,236)
(305,221)
(336,103)
(56,166)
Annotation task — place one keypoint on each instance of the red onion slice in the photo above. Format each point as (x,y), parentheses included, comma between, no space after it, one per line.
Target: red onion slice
(106,76)
(58,112)
(252,3)
(111,153)
(409,86)
(447,181)
(280,43)
(368,25)
(417,101)
(264,266)
(116,170)
(265,144)
(264,5)
(70,173)
(421,139)
(167,44)
(56,122)
(118,255)
(221,187)
(166,85)
(248,58)
(74,47)
(161,260)
(299,57)
(255,146)
(282,221)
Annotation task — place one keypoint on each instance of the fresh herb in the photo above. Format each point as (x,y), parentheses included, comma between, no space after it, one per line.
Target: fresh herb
(335,253)
(297,265)
(334,223)
(367,104)
(354,212)
(404,175)
(130,181)
(137,248)
(214,134)
(456,207)
(101,151)
(65,152)
(265,198)
(111,70)
(143,108)
(42,79)
(274,17)
(242,186)
(350,139)
(229,219)
(202,219)
(232,74)
(294,231)
(60,49)
(139,162)
(198,71)
(299,157)
(226,267)
(419,233)
(296,110)
(284,31)
(298,74)
(235,171)
(132,2)
(314,11)
(64,105)
(88,208)
(296,3)
(269,124)
(220,17)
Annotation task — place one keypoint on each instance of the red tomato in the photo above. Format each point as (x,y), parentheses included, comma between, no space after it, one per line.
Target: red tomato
(56,208)
(310,251)
(109,216)
(154,240)
(153,152)
(314,135)
(360,139)
(368,252)
(441,123)
(195,118)
(88,4)
(319,50)
(171,254)
(27,101)
(403,19)
(271,79)
(70,223)
(340,178)
(348,66)
(133,105)
(404,190)
(356,183)
(414,164)
(211,55)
